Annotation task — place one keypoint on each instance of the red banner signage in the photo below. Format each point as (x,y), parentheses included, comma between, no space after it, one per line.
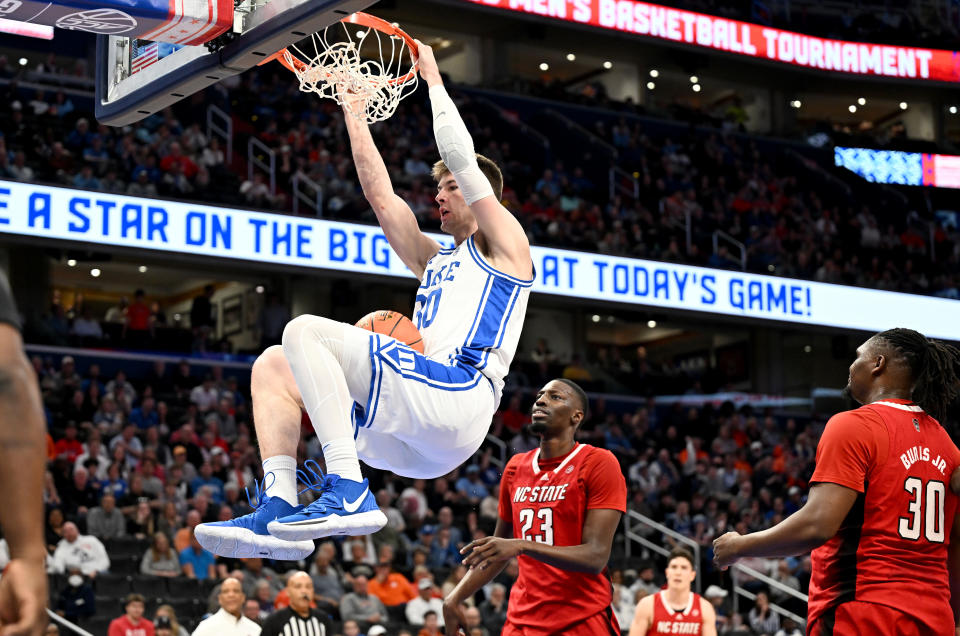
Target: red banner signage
(744,38)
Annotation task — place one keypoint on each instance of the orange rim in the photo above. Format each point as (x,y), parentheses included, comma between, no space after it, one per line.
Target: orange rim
(363,19)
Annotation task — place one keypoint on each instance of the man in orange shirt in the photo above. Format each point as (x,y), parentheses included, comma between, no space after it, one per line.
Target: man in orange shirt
(392,588)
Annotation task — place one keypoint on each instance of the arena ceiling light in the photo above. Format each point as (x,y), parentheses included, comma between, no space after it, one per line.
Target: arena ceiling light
(694,79)
(142,269)
(95,272)
(696,88)
(852,108)
(651,323)
(654,73)
(903,105)
(571,57)
(71,262)
(23,61)
(258,289)
(595,318)
(862,101)
(544,66)
(608,65)
(651,86)
(796,103)
(953,110)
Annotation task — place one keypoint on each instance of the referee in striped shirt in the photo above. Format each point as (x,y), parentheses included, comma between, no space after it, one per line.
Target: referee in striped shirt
(298,619)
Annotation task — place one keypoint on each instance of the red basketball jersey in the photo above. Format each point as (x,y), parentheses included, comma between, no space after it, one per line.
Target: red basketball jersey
(547,501)
(671,620)
(892,547)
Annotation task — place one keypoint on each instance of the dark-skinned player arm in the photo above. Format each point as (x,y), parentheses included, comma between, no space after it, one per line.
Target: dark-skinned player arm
(396,218)
(953,567)
(850,446)
(502,231)
(473,581)
(606,492)
(591,556)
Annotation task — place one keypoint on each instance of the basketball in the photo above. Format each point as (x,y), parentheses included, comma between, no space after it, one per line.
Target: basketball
(393,324)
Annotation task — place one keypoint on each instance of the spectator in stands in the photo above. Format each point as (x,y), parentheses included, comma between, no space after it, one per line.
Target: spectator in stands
(424,602)
(167,612)
(494,609)
(326,576)
(160,559)
(141,186)
(205,395)
(229,619)
(137,328)
(53,531)
(764,620)
(162,626)
(273,318)
(197,563)
(251,609)
(351,628)
(201,318)
(298,617)
(431,624)
(360,605)
(86,329)
(69,447)
(471,487)
(76,601)
(80,495)
(106,521)
(132,623)
(77,553)
(145,415)
(207,480)
(391,587)
(141,524)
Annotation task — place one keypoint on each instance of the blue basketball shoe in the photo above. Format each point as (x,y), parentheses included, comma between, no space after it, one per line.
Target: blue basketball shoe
(247,537)
(345,507)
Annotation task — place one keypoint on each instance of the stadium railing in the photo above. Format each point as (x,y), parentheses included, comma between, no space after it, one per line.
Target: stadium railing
(633,519)
(74,629)
(738,570)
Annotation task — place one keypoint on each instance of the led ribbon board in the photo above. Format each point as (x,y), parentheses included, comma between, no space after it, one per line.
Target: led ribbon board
(64,214)
(171,21)
(744,38)
(900,168)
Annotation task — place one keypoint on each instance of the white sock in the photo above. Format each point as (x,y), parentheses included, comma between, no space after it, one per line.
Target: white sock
(340,455)
(311,346)
(283,484)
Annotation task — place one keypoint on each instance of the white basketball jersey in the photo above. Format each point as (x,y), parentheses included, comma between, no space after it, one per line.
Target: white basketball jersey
(470,313)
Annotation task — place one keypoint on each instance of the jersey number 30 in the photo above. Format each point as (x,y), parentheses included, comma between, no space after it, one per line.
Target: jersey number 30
(545,516)
(926,503)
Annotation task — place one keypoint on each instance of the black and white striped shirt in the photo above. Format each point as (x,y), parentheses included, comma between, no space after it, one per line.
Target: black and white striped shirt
(287,622)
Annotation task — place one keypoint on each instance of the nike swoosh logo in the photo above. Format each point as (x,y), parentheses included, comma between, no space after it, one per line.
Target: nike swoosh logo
(352,506)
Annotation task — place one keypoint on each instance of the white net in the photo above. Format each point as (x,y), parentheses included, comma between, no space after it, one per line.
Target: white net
(368,79)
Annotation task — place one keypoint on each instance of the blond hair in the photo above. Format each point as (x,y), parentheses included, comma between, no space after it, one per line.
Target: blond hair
(487,167)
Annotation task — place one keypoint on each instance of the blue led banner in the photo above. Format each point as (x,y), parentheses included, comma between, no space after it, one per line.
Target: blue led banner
(189,228)
(900,168)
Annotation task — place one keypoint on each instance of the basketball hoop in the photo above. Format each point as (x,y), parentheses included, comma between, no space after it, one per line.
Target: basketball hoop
(368,89)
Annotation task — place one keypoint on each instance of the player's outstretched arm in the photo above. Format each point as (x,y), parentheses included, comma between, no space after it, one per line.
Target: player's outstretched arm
(643,617)
(591,556)
(505,237)
(475,579)
(394,215)
(953,567)
(808,528)
(709,618)
(23,588)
